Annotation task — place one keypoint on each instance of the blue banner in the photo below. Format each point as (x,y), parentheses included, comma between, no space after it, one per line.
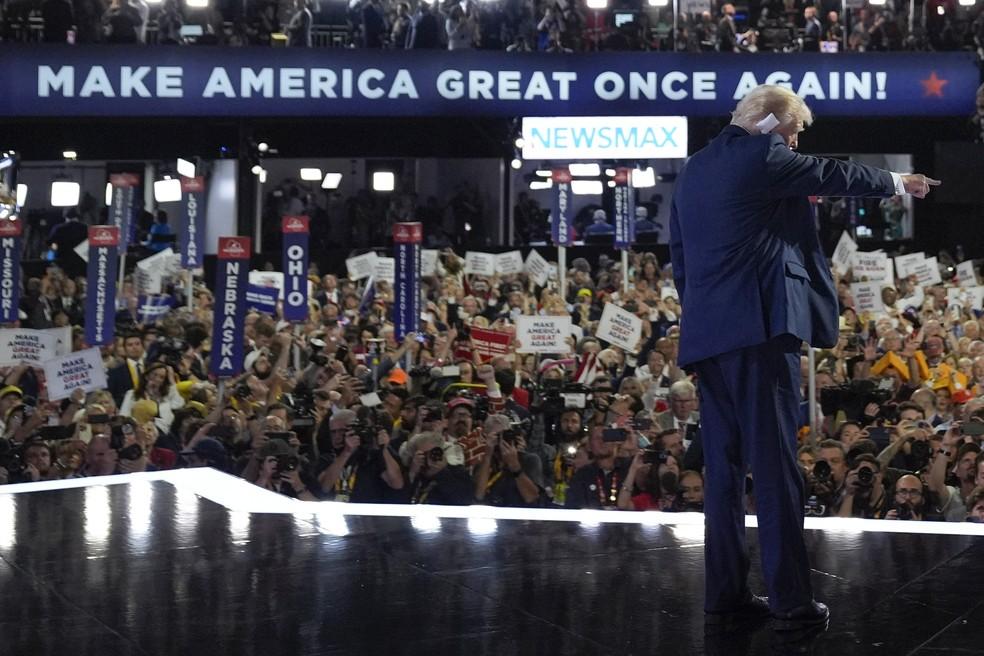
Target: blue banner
(153,308)
(295,233)
(137,81)
(100,298)
(10,257)
(262,299)
(124,204)
(229,318)
(624,198)
(407,238)
(561,230)
(192,227)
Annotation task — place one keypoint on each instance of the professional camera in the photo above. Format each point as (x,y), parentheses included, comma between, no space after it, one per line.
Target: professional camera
(168,350)
(10,459)
(117,438)
(655,457)
(552,397)
(852,397)
(919,454)
(822,471)
(866,477)
(287,463)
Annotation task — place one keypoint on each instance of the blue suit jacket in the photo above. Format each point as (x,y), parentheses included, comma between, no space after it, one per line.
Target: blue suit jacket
(746,259)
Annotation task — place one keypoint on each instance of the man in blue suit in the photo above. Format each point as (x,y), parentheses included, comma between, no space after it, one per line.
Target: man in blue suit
(754,285)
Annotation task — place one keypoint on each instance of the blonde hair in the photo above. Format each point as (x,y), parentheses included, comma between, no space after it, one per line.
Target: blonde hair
(788,108)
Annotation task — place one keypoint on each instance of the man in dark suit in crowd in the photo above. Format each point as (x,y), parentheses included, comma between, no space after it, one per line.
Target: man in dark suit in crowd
(754,285)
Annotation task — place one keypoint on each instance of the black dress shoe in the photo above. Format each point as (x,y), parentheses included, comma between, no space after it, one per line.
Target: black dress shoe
(802,618)
(752,609)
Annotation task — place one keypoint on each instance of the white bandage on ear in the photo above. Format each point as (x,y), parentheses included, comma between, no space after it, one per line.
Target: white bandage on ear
(767,124)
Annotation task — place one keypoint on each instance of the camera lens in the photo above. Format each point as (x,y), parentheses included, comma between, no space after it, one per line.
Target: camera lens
(822,471)
(866,476)
(436,454)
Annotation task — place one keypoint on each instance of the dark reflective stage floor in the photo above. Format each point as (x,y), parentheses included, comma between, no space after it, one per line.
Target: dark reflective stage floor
(151,568)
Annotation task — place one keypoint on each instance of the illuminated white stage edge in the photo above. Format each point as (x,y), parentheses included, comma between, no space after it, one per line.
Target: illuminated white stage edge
(237,495)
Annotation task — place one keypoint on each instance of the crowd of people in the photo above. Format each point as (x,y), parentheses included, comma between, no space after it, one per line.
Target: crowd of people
(337,408)
(557,26)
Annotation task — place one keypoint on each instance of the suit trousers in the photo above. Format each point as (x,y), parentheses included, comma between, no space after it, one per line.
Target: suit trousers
(749,405)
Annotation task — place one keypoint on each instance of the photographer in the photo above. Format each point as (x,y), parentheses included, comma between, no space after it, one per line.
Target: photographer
(909,449)
(359,466)
(651,482)
(826,481)
(864,490)
(558,458)
(599,484)
(507,475)
(431,478)
(910,502)
(950,502)
(279,471)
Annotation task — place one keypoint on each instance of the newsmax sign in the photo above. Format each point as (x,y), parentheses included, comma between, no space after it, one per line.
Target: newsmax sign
(206,81)
(604,137)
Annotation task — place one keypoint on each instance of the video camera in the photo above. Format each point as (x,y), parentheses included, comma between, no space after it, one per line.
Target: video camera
(552,397)
(852,398)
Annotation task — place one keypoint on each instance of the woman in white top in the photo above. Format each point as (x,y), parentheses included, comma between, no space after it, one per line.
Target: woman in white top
(156,384)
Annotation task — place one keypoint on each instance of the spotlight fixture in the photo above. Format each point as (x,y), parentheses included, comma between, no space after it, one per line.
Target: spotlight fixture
(263,146)
(64,193)
(383,181)
(21,195)
(586,170)
(331,181)
(186,168)
(311,174)
(516,163)
(586,187)
(70,154)
(167,190)
(256,169)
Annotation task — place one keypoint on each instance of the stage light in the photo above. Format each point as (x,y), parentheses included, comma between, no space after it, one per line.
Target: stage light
(70,154)
(310,174)
(263,176)
(383,181)
(186,168)
(64,193)
(659,3)
(967,3)
(109,194)
(587,170)
(516,163)
(256,169)
(263,146)
(331,181)
(537,185)
(611,183)
(198,4)
(597,4)
(167,190)
(544,173)
(610,173)
(21,195)
(586,187)
(877,2)
(642,178)
(520,143)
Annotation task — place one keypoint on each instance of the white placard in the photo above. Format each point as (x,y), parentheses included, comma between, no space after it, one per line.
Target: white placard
(872,267)
(479,264)
(966,276)
(668,291)
(151,271)
(428,262)
(960,295)
(620,327)
(537,268)
(927,272)
(913,300)
(509,263)
(385,269)
(270,280)
(80,370)
(361,266)
(25,346)
(905,263)
(867,297)
(63,339)
(841,258)
(82,250)
(543,334)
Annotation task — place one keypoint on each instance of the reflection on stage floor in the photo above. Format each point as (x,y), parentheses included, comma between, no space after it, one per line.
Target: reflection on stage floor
(155,565)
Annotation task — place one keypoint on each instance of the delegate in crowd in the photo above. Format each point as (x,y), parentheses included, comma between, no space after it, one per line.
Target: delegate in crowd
(557,26)
(336,408)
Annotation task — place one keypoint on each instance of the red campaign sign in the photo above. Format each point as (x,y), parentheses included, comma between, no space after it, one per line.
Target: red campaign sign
(294,224)
(11,228)
(561,175)
(104,236)
(124,179)
(234,248)
(490,343)
(192,185)
(621,176)
(408,233)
